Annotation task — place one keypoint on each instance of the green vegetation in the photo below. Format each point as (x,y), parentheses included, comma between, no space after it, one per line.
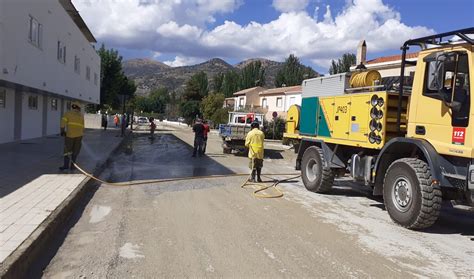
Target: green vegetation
(343,64)
(211,107)
(156,102)
(114,85)
(277,125)
(293,73)
(250,76)
(196,89)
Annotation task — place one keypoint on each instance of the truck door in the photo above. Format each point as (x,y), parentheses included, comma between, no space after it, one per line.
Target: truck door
(441,103)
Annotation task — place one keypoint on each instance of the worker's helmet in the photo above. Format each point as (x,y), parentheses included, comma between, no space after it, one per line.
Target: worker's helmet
(76,105)
(255,124)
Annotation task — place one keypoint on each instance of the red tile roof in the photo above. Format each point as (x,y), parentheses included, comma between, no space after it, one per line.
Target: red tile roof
(392,58)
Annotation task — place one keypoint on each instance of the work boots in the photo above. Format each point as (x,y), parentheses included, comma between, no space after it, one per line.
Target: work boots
(252,176)
(259,172)
(66,163)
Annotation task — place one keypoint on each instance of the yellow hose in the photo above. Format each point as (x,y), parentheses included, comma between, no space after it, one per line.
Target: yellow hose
(262,186)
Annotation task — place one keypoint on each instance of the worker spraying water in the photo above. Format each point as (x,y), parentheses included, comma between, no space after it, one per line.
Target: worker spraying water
(254,142)
(72,129)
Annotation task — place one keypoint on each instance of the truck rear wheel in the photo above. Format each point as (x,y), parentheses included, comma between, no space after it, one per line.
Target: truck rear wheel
(410,197)
(316,176)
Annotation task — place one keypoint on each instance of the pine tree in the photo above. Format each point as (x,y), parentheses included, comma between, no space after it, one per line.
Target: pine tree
(343,64)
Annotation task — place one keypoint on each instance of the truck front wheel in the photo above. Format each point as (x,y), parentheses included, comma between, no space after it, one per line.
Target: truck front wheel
(316,176)
(410,196)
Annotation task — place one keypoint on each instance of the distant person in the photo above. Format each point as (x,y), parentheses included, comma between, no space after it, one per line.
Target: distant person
(152,127)
(116,120)
(254,142)
(72,129)
(123,125)
(105,121)
(198,130)
(206,131)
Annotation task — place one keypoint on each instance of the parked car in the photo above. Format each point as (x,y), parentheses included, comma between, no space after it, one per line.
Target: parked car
(142,120)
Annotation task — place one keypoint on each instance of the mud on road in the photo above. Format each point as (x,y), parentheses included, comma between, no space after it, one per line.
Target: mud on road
(213,228)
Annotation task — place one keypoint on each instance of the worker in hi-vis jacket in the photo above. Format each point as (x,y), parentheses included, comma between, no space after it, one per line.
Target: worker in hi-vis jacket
(72,129)
(254,142)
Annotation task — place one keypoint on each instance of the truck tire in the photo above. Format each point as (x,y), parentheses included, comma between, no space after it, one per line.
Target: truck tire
(316,176)
(410,197)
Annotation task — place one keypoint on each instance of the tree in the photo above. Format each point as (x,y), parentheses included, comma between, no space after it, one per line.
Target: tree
(113,82)
(197,87)
(230,84)
(189,110)
(217,83)
(293,73)
(252,75)
(211,107)
(343,64)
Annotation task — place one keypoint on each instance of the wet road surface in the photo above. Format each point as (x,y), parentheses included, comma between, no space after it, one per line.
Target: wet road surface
(213,228)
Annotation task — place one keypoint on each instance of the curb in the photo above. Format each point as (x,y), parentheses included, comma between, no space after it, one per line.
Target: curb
(19,264)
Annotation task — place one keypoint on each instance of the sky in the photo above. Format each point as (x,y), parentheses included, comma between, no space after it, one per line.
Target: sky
(186,32)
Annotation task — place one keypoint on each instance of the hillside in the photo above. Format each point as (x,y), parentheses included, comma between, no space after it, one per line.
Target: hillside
(149,74)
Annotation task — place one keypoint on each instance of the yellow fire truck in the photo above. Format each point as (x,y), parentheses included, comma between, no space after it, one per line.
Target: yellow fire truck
(412,143)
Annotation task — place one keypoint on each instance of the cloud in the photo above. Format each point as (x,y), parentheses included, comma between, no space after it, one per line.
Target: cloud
(286,6)
(174,27)
(183,61)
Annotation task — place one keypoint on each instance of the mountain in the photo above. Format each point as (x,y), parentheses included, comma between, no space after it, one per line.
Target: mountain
(139,67)
(149,74)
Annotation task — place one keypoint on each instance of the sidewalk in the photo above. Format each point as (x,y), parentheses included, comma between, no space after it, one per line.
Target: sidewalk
(32,188)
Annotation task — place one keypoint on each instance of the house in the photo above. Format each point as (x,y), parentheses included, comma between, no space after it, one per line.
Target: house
(387,66)
(47,60)
(229,102)
(247,98)
(279,100)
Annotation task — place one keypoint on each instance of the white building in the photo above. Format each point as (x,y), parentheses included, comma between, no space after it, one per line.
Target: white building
(46,60)
(279,100)
(247,98)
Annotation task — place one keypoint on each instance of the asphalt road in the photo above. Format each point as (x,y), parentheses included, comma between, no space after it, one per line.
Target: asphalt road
(213,228)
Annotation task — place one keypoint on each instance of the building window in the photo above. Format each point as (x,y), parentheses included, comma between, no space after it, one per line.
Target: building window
(3,98)
(54,104)
(33,102)
(68,105)
(264,103)
(35,34)
(241,102)
(61,52)
(279,102)
(96,78)
(77,64)
(292,100)
(88,73)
